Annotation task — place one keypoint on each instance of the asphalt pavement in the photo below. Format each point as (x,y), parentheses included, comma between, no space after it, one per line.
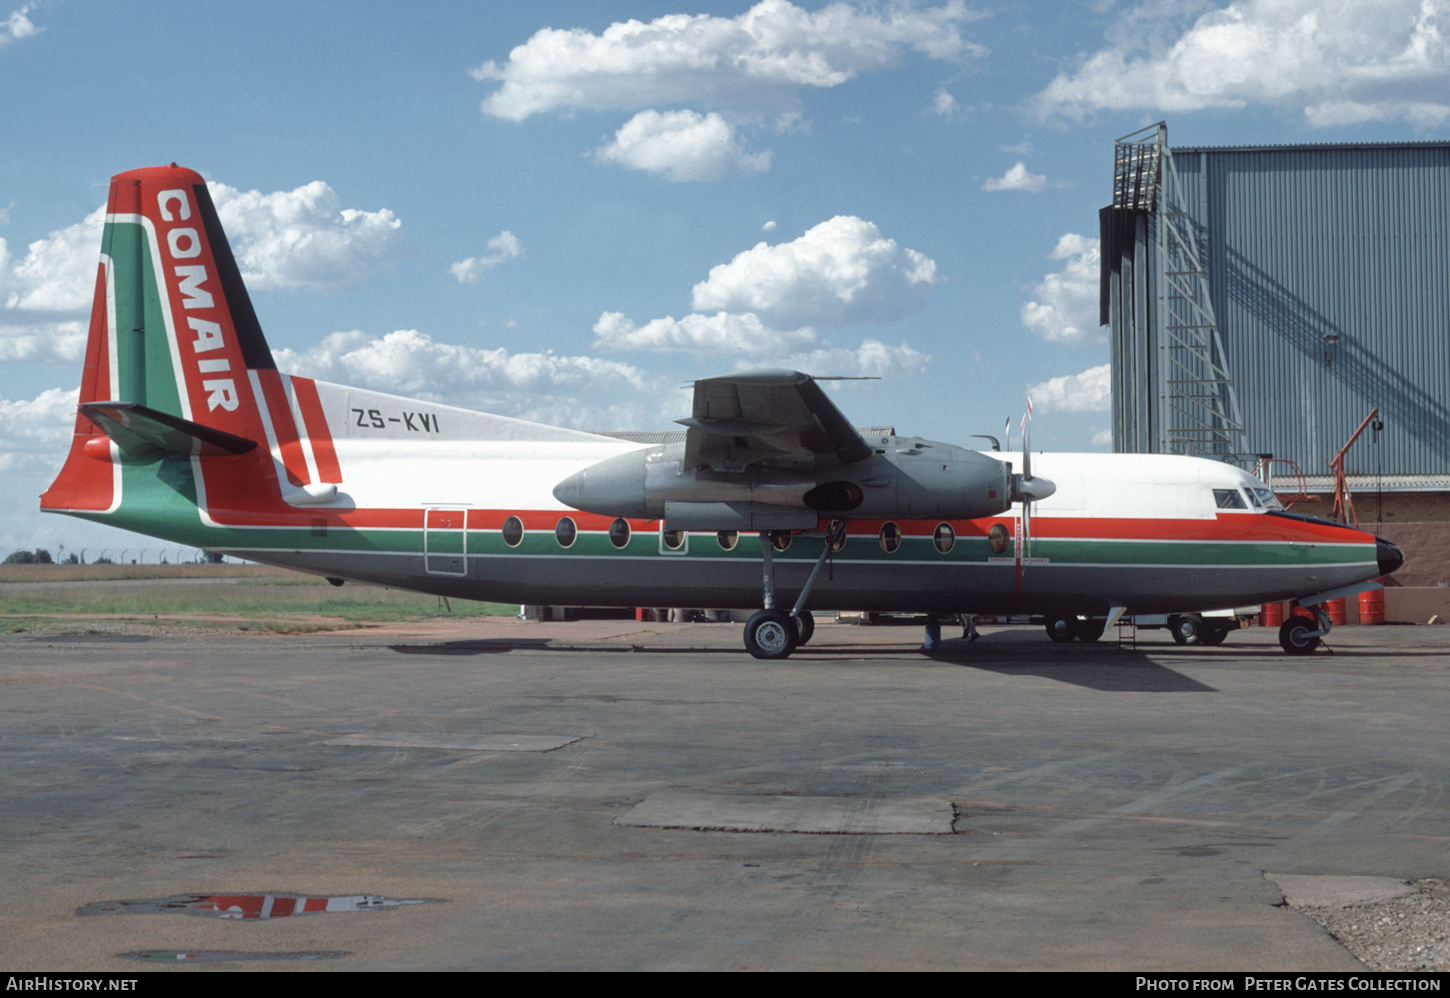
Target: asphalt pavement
(497,794)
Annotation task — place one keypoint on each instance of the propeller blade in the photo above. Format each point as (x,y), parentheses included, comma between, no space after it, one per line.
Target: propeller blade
(1027,444)
(1029,489)
(1027,483)
(1026,530)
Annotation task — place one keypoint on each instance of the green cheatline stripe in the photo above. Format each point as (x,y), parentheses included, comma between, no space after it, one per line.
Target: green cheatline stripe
(168,514)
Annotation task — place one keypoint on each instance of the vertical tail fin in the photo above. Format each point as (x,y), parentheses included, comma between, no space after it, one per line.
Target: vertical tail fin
(180,318)
(172,329)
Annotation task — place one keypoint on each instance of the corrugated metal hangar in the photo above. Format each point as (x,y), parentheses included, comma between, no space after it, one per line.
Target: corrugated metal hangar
(1264,299)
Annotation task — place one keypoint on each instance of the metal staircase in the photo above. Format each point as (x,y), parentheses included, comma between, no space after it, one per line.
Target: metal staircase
(1198,409)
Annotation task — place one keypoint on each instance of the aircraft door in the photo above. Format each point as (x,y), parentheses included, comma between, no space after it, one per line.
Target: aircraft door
(445,540)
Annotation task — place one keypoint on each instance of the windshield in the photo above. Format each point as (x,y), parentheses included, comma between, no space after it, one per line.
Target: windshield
(1266,497)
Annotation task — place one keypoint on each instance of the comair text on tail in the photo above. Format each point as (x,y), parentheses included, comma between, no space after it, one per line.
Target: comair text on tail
(175,365)
(187,431)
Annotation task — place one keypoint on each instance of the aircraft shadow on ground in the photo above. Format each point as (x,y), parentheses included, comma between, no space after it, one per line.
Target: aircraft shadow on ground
(1108,667)
(499,646)
(479,646)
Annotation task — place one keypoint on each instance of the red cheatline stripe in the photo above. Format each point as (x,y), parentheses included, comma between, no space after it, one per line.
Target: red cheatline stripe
(446,519)
(1246,528)
(284,427)
(317,432)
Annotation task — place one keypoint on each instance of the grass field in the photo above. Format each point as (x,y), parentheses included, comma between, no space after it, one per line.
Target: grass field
(228,596)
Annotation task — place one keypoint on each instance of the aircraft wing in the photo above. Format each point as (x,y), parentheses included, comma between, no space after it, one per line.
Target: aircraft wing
(778,419)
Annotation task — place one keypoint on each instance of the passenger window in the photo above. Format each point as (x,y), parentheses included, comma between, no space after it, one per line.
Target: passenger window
(945,537)
(513,531)
(1228,499)
(890,537)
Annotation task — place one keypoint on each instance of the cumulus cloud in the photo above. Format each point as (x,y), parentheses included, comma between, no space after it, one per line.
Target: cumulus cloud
(35,432)
(839,272)
(411,362)
(18,25)
(1340,61)
(721,333)
(57,273)
(872,359)
(296,239)
(770,302)
(680,146)
(1064,305)
(759,60)
(1089,391)
(945,105)
(1016,179)
(289,240)
(504,246)
(42,342)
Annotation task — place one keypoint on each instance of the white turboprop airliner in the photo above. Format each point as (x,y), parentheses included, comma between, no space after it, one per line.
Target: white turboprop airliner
(187,431)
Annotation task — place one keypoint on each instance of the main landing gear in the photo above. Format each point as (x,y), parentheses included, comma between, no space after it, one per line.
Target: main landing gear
(774,633)
(1065,629)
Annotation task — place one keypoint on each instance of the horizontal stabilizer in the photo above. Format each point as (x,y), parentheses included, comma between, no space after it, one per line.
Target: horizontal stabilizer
(142,432)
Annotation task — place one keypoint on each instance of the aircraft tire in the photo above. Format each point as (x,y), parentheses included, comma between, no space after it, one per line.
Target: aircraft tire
(1213,633)
(805,626)
(1061,629)
(1187,629)
(1091,629)
(770,634)
(1294,636)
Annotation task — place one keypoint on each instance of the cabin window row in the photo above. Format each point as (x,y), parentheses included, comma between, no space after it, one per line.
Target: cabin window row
(566,531)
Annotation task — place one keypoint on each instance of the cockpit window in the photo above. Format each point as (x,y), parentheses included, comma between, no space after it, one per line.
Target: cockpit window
(1268,498)
(1228,499)
(1253,498)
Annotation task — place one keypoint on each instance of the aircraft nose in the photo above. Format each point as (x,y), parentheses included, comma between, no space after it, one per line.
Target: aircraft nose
(1389,555)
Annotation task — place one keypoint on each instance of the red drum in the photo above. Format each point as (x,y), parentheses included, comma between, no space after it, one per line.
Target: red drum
(1372,607)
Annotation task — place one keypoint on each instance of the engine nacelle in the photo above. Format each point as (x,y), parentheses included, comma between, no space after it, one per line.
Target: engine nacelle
(904,478)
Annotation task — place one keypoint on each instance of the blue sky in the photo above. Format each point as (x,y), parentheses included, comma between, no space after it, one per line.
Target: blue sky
(567,211)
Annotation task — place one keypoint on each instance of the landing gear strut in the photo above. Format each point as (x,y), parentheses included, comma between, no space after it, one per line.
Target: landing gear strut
(773,633)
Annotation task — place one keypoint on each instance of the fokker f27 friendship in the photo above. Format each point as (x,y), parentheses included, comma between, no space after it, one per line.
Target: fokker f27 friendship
(187,431)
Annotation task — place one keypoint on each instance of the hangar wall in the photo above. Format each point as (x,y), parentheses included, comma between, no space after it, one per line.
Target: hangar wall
(1328,269)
